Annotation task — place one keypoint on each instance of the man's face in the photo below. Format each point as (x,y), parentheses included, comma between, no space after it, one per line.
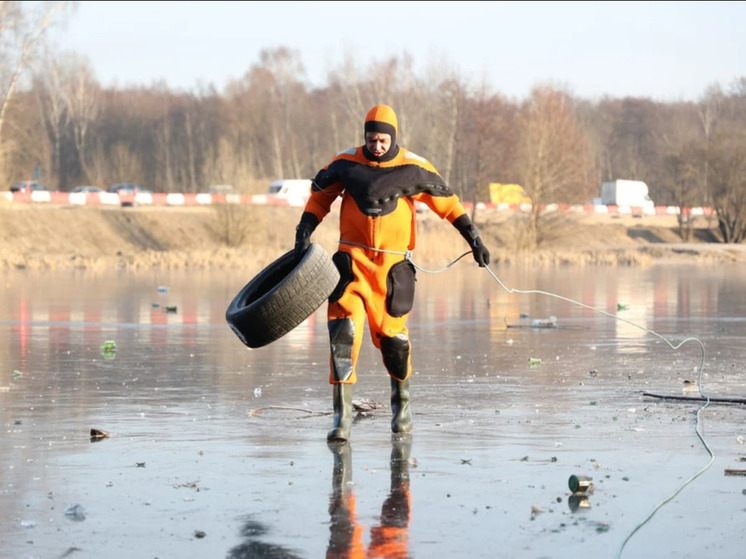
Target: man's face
(377,143)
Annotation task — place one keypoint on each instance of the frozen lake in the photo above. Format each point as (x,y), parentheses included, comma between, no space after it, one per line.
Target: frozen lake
(220,451)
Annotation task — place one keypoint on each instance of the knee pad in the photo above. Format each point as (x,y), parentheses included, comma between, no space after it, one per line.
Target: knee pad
(395,352)
(341,338)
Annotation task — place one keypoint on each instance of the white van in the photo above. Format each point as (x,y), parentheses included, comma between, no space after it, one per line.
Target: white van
(295,191)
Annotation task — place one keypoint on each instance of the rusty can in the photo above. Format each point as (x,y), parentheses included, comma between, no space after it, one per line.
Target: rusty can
(579,484)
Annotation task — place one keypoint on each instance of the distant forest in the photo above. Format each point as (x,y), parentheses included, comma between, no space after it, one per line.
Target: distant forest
(57,121)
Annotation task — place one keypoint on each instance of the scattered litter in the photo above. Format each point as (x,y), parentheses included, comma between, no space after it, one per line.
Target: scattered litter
(188,485)
(257,392)
(622,306)
(75,512)
(155,305)
(171,308)
(533,361)
(580,484)
(690,386)
(602,526)
(17,374)
(109,349)
(536,509)
(98,434)
(199,534)
(550,322)
(739,439)
(366,405)
(162,289)
(4,388)
(729,472)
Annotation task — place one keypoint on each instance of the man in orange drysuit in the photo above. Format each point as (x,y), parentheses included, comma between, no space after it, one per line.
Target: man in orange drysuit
(378,183)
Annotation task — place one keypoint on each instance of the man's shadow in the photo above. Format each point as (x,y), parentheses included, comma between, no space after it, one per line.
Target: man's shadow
(390,538)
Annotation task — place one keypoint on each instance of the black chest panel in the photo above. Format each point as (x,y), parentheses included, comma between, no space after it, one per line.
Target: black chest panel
(376,190)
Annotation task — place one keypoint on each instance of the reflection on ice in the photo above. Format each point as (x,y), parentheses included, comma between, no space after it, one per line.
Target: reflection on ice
(176,390)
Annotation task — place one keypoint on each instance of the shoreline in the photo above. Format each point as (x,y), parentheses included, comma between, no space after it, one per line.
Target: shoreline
(143,238)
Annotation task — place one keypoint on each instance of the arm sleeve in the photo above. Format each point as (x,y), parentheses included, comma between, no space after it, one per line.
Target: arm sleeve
(325,188)
(446,207)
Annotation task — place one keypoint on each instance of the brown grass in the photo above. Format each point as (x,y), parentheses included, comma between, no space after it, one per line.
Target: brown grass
(50,237)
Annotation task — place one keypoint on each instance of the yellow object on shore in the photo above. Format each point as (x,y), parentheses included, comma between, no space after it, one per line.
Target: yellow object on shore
(512,194)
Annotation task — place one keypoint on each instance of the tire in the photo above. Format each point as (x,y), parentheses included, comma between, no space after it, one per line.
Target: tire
(282,296)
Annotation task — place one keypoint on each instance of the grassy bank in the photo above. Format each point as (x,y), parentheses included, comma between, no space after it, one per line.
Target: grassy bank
(246,237)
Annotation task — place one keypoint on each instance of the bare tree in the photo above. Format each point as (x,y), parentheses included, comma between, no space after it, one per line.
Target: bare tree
(345,87)
(277,85)
(709,109)
(69,97)
(20,36)
(81,95)
(49,89)
(727,165)
(552,155)
(123,162)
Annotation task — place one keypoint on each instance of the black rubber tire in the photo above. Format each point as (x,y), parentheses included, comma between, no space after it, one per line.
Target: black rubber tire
(282,296)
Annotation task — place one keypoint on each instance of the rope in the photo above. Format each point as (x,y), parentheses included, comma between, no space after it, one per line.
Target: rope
(407,254)
(645,329)
(444,268)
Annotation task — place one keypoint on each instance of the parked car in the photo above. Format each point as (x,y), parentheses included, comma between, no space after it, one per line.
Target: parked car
(25,187)
(131,194)
(293,191)
(87,189)
(126,188)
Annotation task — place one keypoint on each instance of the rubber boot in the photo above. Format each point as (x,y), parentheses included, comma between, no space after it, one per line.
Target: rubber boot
(342,398)
(401,421)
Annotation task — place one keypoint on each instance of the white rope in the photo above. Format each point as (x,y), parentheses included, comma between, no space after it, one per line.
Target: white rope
(648,330)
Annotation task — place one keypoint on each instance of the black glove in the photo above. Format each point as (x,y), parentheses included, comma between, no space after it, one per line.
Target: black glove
(471,234)
(303,232)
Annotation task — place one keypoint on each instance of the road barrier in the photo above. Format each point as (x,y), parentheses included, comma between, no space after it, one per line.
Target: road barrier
(205,199)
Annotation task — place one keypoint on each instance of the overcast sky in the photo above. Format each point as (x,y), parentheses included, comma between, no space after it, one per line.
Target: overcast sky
(666,51)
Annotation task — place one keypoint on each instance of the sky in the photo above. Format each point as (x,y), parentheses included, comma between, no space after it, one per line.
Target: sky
(665,51)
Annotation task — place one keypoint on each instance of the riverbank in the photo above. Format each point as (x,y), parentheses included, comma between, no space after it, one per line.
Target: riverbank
(250,237)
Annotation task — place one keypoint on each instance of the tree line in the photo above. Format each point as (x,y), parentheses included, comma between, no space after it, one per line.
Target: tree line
(270,123)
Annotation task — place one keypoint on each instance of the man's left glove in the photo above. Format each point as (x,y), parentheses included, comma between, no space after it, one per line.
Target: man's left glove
(471,234)
(303,232)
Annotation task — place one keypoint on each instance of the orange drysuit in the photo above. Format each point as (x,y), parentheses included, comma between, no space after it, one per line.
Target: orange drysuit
(377,224)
